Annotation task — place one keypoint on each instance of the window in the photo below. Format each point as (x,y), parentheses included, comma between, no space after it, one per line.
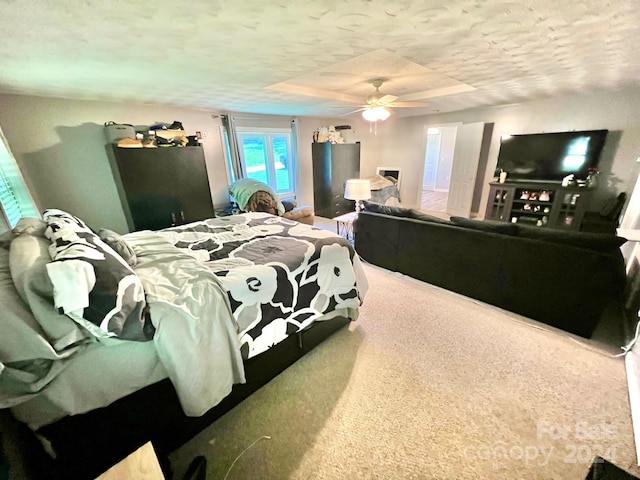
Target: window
(15,200)
(267,156)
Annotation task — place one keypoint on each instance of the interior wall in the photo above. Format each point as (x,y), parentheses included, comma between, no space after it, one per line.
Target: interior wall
(60,146)
(370,144)
(404,138)
(400,143)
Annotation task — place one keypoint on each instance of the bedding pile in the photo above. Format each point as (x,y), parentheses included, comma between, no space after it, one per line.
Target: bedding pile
(215,292)
(383,189)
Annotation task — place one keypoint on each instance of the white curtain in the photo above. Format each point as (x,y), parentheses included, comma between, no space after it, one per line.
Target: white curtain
(229,124)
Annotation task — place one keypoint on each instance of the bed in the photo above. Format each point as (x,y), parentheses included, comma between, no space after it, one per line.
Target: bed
(111,341)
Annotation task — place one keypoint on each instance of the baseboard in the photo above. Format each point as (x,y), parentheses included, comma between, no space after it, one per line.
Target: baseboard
(632,363)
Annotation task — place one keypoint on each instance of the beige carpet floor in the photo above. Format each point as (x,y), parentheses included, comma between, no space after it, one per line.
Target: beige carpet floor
(428,384)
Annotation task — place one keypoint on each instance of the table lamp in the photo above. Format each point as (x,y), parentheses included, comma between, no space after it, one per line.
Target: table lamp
(358,190)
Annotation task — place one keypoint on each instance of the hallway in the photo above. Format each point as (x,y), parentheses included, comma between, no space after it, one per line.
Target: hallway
(434,201)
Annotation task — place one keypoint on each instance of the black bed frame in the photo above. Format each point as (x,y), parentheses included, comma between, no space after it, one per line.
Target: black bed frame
(86,445)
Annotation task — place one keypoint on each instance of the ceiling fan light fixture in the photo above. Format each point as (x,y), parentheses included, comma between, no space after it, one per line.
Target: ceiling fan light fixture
(373,114)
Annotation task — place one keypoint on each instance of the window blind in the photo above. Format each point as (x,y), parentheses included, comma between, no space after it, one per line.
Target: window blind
(15,199)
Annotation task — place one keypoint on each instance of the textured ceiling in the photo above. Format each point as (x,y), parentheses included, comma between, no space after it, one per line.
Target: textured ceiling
(306,57)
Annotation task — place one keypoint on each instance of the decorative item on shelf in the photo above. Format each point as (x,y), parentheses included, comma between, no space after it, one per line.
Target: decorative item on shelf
(526,206)
(328,134)
(533,196)
(592,177)
(346,133)
(357,189)
(503,176)
(524,195)
(117,131)
(130,143)
(545,196)
(569,181)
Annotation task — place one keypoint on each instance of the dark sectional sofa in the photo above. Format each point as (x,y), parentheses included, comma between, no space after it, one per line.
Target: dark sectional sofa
(561,278)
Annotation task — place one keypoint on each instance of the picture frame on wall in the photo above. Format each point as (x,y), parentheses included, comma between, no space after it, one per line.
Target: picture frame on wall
(394,172)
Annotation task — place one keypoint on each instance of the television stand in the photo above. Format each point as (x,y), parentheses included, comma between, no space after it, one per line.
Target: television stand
(546,205)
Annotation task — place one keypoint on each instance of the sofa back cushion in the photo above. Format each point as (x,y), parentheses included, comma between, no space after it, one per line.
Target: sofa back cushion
(419,215)
(386,209)
(600,242)
(486,226)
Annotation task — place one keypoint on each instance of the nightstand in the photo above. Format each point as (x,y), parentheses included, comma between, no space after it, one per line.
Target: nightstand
(344,225)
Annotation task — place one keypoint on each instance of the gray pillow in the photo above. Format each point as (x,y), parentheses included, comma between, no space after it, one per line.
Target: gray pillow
(29,257)
(120,245)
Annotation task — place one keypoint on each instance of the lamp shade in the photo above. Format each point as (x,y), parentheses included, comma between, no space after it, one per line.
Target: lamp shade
(357,189)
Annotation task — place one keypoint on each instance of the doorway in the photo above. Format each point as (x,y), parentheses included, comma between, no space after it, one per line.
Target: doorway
(452,159)
(438,162)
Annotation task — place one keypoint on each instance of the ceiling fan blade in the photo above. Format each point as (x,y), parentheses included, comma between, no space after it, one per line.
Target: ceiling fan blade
(354,111)
(387,99)
(409,104)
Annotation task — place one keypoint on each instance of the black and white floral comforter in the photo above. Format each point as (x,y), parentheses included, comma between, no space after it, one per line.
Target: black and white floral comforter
(279,275)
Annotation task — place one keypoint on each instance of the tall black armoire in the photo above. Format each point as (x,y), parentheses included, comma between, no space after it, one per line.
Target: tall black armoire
(333,165)
(162,187)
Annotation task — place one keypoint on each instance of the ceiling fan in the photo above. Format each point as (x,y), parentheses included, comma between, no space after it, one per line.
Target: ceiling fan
(379,104)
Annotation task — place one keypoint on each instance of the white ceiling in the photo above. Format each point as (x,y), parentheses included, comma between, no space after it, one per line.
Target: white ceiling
(309,57)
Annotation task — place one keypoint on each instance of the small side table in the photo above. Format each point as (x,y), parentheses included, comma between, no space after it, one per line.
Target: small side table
(344,225)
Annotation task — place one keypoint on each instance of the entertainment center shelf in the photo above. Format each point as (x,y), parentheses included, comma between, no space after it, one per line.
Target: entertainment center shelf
(547,205)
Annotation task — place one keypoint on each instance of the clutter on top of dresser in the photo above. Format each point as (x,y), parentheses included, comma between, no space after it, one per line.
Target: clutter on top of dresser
(144,136)
(330,134)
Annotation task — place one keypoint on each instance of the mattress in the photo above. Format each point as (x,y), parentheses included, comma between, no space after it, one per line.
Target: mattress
(92,379)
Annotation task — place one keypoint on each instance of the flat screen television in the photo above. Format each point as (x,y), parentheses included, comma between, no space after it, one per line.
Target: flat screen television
(549,157)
